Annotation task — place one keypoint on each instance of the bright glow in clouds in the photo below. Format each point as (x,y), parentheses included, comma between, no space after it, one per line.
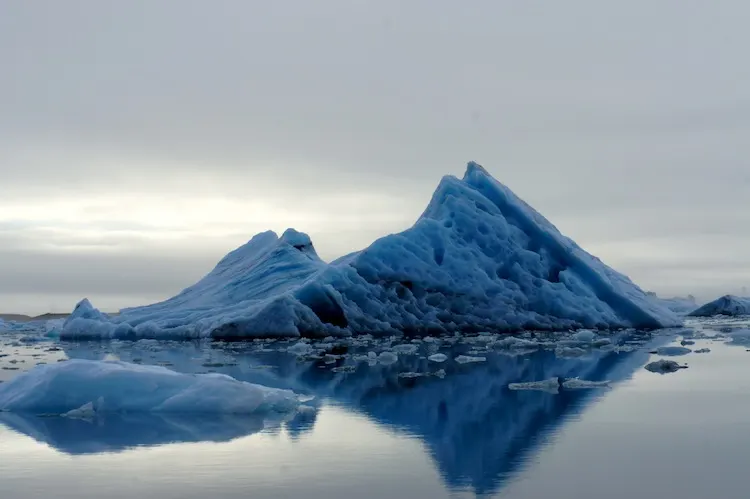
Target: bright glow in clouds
(141,141)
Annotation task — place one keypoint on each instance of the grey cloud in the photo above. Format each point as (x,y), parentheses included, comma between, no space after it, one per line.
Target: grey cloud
(621,122)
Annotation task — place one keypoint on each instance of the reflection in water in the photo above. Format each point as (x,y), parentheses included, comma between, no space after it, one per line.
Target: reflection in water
(476,429)
(118,432)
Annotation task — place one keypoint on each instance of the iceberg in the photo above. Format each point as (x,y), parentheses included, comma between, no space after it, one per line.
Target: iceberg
(478,259)
(84,388)
(726,305)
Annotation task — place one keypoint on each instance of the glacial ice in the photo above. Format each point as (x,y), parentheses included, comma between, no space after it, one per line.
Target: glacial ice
(478,259)
(726,305)
(80,388)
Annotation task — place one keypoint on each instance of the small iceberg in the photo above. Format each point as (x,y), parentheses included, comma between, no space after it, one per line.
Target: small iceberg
(664,366)
(83,388)
(548,385)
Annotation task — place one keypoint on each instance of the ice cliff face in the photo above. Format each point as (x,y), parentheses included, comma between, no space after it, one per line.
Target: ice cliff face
(479,258)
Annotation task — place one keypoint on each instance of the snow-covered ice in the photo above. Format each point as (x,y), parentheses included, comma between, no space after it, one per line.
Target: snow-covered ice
(550,385)
(67,388)
(478,259)
(726,305)
(663,366)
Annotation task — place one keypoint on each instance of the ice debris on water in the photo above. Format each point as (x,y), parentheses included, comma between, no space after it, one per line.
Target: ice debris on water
(577,384)
(410,375)
(663,366)
(702,350)
(302,348)
(551,385)
(585,336)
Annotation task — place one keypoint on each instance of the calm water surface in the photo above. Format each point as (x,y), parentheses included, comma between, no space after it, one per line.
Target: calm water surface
(372,433)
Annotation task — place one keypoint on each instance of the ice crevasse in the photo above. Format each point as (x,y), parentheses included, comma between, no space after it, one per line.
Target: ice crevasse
(478,259)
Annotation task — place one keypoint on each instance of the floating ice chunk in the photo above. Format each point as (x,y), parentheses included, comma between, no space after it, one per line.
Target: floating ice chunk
(663,366)
(300,349)
(387,358)
(672,351)
(687,342)
(410,375)
(440,373)
(585,336)
(548,385)
(438,357)
(467,359)
(577,384)
(122,387)
(702,350)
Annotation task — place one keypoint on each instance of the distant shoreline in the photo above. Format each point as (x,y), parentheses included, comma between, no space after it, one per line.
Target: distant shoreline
(28,318)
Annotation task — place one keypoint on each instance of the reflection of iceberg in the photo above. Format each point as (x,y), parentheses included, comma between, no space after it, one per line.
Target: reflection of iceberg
(476,429)
(118,432)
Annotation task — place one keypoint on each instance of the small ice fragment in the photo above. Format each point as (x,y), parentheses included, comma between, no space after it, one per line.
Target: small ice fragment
(577,384)
(663,366)
(687,342)
(439,373)
(466,359)
(387,358)
(548,385)
(344,369)
(301,348)
(602,342)
(585,336)
(672,351)
(438,357)
(702,350)
(410,375)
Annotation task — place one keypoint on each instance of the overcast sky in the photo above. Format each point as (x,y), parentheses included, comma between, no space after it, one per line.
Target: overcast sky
(142,140)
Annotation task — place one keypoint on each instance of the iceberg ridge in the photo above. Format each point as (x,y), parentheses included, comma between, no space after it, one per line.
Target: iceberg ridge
(479,258)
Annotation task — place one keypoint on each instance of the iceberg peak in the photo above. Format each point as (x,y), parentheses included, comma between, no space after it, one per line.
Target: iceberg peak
(478,259)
